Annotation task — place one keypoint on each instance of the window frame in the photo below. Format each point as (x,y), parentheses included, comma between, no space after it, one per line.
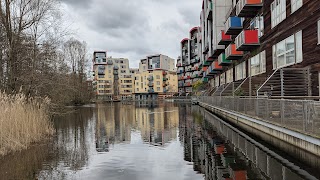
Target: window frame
(298,58)
(278,12)
(262,64)
(294,6)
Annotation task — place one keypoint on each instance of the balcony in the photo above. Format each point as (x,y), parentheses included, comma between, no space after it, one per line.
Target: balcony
(215,66)
(180,71)
(205,79)
(110,62)
(247,40)
(150,84)
(233,25)
(164,73)
(151,91)
(150,78)
(187,84)
(179,65)
(210,72)
(224,39)
(232,53)
(208,58)
(222,61)
(206,63)
(165,79)
(101,72)
(193,61)
(248,8)
(189,69)
(164,84)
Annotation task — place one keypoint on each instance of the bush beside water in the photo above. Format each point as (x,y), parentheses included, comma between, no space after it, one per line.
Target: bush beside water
(23,121)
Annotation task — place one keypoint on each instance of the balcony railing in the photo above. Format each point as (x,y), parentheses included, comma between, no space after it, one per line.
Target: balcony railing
(232,53)
(187,84)
(248,8)
(215,66)
(150,84)
(297,115)
(224,39)
(247,40)
(180,71)
(233,25)
(222,61)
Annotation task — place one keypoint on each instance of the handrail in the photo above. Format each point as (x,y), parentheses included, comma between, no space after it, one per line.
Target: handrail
(241,84)
(226,87)
(266,81)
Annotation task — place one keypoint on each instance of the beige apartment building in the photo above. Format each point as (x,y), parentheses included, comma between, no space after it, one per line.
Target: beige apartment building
(155,78)
(112,76)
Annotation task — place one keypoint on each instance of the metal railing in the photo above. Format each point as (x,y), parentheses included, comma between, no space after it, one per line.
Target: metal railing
(297,115)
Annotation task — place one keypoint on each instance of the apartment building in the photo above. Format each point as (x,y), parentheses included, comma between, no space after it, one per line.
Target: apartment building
(156,78)
(112,77)
(188,64)
(260,47)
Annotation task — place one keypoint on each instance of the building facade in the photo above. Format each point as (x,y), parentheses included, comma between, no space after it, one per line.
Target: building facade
(156,78)
(260,47)
(112,77)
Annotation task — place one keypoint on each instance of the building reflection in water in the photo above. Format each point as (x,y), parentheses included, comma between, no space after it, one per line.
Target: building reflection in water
(156,123)
(221,153)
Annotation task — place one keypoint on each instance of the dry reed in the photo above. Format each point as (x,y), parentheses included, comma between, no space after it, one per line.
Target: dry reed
(23,121)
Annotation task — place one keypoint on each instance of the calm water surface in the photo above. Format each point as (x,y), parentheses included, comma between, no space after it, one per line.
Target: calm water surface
(147,141)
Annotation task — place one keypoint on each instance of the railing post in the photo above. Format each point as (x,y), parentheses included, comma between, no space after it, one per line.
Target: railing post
(282,82)
(305,116)
(282,108)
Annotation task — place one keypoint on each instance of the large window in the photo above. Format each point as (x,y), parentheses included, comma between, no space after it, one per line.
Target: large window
(278,12)
(229,76)
(295,4)
(216,81)
(258,64)
(222,79)
(288,51)
(241,71)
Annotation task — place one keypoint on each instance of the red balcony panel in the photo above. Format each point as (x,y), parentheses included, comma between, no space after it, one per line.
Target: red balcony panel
(232,53)
(224,39)
(215,66)
(247,40)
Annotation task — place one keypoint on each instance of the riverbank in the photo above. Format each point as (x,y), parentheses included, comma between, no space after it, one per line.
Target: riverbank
(23,121)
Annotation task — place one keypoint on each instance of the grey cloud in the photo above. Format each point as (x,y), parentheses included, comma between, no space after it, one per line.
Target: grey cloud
(135,28)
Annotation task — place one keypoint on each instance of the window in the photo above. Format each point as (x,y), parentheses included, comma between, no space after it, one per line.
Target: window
(230,76)
(295,4)
(278,12)
(216,81)
(288,51)
(137,89)
(158,76)
(158,83)
(222,79)
(319,31)
(158,88)
(101,76)
(258,23)
(241,71)
(258,64)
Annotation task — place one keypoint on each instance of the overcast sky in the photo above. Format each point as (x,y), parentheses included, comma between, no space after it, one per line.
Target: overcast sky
(132,28)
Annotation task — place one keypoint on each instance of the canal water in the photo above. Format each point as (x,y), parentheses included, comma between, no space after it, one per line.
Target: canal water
(155,141)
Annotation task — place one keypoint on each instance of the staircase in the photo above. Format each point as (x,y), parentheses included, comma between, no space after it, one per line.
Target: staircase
(218,90)
(230,89)
(287,82)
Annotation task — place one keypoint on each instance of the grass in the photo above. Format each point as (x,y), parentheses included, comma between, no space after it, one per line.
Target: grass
(23,121)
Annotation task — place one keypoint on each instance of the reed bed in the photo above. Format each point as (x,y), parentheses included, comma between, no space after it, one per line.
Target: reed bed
(23,121)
